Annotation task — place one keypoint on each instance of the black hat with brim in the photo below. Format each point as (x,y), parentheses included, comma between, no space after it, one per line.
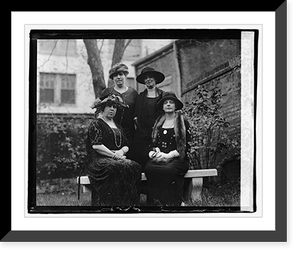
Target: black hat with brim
(149,71)
(169,95)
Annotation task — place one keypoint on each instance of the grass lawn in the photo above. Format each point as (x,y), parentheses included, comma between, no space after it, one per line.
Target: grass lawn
(64,193)
(61,199)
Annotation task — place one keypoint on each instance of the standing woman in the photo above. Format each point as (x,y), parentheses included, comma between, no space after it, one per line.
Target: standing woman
(124,117)
(115,180)
(145,112)
(168,159)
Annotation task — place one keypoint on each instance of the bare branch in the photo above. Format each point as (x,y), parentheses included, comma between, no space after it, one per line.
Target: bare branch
(127,43)
(50,54)
(67,56)
(101,45)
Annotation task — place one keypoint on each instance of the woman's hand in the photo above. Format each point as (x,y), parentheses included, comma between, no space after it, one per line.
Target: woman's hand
(125,149)
(163,157)
(154,152)
(119,155)
(122,151)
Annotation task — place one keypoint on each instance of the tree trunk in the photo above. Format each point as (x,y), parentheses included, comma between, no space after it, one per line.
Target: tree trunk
(119,50)
(96,66)
(95,62)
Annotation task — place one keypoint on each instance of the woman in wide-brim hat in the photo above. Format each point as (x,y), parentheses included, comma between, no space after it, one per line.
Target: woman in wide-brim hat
(110,99)
(169,95)
(149,71)
(145,113)
(115,180)
(168,160)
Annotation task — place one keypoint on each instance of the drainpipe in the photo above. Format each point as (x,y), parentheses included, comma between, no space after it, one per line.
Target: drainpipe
(177,69)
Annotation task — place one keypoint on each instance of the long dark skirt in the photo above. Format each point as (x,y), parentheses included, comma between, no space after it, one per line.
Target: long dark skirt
(165,181)
(114,182)
(140,152)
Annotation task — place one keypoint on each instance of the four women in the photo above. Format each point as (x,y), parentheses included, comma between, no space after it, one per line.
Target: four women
(160,144)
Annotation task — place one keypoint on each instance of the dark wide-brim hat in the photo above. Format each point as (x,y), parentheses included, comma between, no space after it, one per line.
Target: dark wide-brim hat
(169,95)
(119,67)
(147,71)
(109,98)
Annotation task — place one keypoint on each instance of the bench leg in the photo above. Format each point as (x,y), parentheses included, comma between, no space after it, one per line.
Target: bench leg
(193,189)
(86,189)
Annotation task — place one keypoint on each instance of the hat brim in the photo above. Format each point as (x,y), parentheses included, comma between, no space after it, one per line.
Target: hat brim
(98,103)
(118,104)
(115,74)
(178,103)
(158,76)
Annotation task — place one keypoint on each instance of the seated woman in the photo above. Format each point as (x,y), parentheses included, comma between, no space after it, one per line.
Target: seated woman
(115,180)
(168,159)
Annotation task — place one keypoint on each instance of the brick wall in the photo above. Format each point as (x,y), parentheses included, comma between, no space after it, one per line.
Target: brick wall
(228,78)
(198,57)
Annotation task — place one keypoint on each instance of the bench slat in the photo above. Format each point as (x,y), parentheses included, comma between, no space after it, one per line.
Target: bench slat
(201,173)
(197,173)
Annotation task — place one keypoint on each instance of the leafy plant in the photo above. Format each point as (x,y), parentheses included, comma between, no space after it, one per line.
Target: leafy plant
(209,141)
(60,147)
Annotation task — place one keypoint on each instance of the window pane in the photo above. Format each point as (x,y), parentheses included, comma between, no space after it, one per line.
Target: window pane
(47,80)
(46,95)
(67,96)
(68,81)
(68,84)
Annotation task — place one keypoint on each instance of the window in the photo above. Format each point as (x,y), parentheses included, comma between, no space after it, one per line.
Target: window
(57,88)
(68,89)
(47,88)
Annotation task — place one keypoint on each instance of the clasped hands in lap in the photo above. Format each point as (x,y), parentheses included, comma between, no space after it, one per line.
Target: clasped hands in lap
(120,154)
(158,156)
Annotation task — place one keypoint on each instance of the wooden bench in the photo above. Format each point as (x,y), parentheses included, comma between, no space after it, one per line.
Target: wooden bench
(192,186)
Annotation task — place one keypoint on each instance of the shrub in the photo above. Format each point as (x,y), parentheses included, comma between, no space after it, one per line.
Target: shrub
(210,143)
(60,147)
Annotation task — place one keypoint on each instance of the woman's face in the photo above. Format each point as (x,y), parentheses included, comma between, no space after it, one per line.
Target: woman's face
(150,82)
(169,106)
(119,79)
(110,111)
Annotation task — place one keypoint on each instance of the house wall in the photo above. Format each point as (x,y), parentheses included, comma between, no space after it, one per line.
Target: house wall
(71,64)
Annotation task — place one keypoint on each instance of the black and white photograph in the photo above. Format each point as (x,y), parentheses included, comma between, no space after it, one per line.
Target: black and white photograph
(141,121)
